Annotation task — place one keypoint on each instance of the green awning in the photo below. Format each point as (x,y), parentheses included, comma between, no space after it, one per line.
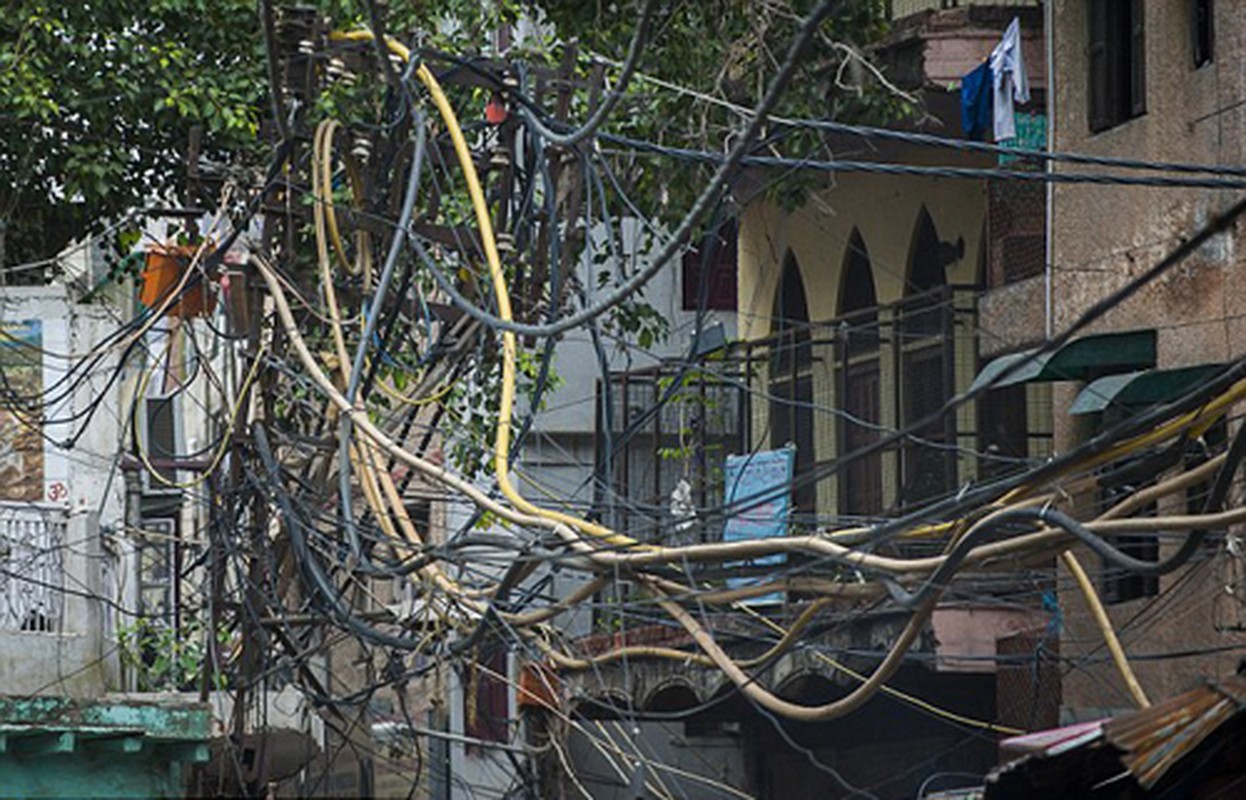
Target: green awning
(1138,389)
(1078,360)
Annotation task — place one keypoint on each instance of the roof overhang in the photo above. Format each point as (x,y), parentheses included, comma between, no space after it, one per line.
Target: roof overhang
(1081,359)
(1140,389)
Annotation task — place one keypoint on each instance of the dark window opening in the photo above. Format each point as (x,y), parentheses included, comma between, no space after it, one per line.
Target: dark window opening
(927,268)
(791,385)
(1197,452)
(716,255)
(1117,56)
(926,312)
(858,299)
(1119,481)
(1119,584)
(928,459)
(861,478)
(485,699)
(1204,32)
(161,441)
(1003,435)
(928,463)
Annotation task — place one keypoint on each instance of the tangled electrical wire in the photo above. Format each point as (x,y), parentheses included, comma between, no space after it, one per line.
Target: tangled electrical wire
(416,316)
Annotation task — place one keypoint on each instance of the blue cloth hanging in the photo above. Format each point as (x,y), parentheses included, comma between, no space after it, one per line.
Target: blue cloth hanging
(975,102)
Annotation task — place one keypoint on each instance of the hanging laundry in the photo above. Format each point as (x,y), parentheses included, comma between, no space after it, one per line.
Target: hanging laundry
(975,102)
(1009,81)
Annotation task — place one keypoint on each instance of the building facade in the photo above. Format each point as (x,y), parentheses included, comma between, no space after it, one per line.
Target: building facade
(1157,81)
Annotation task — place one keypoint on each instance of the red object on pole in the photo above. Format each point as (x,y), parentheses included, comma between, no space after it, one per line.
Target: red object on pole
(495,110)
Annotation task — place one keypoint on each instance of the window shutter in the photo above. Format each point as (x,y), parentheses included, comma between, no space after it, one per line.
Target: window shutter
(1202,25)
(161,439)
(1137,55)
(1098,65)
(721,272)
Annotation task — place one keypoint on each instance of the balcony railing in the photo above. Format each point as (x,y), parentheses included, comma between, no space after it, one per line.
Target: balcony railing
(832,389)
(898,9)
(32,567)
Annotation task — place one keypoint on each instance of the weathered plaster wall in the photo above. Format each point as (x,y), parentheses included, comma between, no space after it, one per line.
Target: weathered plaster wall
(883,208)
(78,658)
(885,211)
(1104,236)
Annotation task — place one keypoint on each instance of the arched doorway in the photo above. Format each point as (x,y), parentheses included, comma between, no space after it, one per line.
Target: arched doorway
(926,350)
(860,395)
(791,381)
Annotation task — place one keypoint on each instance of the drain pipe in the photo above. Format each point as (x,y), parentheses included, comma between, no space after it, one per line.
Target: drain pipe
(1049,35)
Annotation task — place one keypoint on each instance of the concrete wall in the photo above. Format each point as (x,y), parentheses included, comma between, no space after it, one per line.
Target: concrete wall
(1105,236)
(83,495)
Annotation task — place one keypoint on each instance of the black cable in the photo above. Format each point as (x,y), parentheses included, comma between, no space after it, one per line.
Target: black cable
(942,171)
(707,199)
(590,126)
(309,563)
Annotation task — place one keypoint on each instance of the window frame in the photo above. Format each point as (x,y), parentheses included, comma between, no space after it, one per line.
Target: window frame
(1116,63)
(1203,32)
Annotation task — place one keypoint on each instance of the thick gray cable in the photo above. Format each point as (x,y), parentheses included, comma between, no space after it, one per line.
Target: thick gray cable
(709,196)
(369,327)
(1058,156)
(594,121)
(973,173)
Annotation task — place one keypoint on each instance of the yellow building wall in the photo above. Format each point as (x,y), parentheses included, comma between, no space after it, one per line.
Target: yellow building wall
(885,210)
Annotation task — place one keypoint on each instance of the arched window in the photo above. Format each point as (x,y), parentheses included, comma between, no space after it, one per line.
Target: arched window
(856,282)
(928,465)
(926,263)
(860,396)
(791,381)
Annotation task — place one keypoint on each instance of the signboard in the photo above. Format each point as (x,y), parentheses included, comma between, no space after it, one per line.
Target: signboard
(758,499)
(21,435)
(1031,135)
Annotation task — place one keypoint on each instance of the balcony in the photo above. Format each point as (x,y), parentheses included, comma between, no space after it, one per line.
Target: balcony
(59,585)
(899,9)
(32,575)
(831,389)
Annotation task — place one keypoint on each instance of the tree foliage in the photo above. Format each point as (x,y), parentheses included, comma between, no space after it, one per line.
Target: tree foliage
(725,53)
(97,100)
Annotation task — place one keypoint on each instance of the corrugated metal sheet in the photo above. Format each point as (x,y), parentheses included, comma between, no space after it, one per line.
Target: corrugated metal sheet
(1155,739)
(1152,748)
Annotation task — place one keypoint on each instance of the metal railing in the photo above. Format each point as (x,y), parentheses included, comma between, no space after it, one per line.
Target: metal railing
(898,9)
(830,388)
(32,566)
(834,388)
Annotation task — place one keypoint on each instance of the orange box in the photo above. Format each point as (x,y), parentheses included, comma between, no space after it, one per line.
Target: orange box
(165,266)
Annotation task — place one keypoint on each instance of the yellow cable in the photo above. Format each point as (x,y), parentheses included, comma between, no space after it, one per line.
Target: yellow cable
(509,350)
(322,186)
(912,700)
(319,216)
(506,401)
(407,400)
(1104,622)
(509,346)
(1196,420)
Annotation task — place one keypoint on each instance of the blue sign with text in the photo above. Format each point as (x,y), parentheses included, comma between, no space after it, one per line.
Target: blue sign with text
(758,500)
